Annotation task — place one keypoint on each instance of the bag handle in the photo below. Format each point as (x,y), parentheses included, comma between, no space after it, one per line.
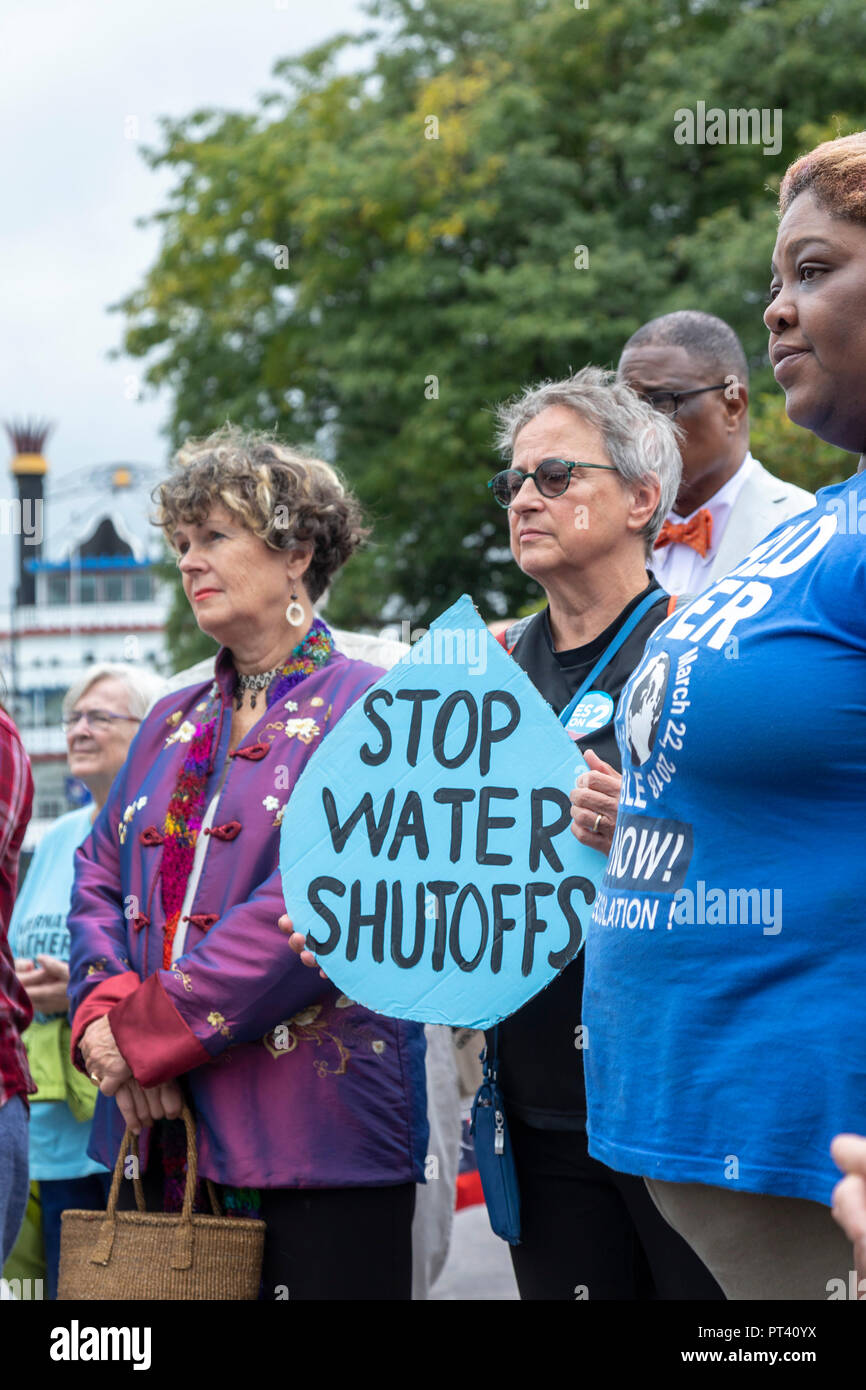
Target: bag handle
(491,1065)
(183,1241)
(130,1142)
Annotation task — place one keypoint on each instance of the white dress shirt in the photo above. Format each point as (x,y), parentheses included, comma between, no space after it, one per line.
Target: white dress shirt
(679,568)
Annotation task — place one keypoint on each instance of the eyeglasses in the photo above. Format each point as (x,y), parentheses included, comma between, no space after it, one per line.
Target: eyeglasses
(96,718)
(668,402)
(551,477)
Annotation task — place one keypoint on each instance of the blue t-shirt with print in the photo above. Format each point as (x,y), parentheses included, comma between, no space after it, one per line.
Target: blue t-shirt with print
(58,1142)
(726,957)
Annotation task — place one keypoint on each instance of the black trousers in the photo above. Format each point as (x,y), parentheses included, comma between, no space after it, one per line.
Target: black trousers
(589,1232)
(339,1243)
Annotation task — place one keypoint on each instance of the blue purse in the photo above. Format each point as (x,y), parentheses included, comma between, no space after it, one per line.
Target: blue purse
(494,1154)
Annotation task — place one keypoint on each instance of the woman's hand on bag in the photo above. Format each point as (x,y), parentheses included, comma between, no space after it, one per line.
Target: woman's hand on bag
(594,803)
(140,1105)
(298,943)
(849,1195)
(46,982)
(105,1064)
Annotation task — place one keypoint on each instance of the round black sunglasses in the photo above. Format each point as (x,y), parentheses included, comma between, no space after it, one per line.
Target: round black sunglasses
(551,477)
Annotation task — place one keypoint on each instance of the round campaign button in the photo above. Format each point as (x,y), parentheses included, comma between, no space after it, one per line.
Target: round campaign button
(593,712)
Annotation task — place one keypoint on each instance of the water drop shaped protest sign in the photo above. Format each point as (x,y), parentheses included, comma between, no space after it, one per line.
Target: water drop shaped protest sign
(426,851)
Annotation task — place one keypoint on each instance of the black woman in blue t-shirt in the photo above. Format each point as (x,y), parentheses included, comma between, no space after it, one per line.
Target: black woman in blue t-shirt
(731,1113)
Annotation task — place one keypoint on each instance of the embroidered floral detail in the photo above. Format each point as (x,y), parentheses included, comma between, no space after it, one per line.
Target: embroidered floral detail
(343,1002)
(271,803)
(96,967)
(217,1021)
(291,704)
(277,724)
(127,817)
(306,729)
(184,979)
(175,718)
(316,701)
(306,1026)
(321,1068)
(185,734)
(378,1046)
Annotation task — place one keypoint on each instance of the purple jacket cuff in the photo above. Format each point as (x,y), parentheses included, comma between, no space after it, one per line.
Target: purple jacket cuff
(152,1037)
(97,1004)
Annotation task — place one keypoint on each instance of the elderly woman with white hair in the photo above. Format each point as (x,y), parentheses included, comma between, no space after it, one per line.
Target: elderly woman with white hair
(101,713)
(593,471)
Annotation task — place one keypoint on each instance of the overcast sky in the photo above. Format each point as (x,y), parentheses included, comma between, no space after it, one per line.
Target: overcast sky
(72,74)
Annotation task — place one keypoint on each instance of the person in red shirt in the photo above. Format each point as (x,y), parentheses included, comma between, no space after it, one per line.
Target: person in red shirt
(16,1013)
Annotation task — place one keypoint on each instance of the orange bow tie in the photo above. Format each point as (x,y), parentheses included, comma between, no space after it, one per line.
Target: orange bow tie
(696,532)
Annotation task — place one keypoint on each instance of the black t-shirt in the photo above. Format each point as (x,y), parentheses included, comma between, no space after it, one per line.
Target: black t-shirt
(540,1066)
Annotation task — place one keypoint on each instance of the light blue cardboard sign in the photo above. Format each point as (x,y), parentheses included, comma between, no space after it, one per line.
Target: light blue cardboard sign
(427,851)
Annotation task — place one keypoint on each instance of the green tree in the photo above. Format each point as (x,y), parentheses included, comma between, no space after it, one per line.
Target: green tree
(372,259)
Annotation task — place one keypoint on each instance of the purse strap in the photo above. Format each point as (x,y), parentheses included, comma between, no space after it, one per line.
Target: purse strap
(489,1066)
(183,1242)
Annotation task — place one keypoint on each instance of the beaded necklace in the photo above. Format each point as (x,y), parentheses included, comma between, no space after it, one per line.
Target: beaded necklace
(185,811)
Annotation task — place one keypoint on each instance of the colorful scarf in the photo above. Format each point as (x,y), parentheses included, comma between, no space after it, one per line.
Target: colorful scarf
(187,805)
(183,820)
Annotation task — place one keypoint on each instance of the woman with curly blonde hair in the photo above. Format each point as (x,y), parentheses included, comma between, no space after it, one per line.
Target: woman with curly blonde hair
(310,1110)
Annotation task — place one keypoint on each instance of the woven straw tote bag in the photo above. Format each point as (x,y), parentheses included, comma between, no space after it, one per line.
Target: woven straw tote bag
(134,1255)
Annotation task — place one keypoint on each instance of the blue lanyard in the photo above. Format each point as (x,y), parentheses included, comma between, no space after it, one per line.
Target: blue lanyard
(611,650)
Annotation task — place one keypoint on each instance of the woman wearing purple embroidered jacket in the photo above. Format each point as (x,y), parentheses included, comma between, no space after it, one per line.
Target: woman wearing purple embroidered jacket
(180,978)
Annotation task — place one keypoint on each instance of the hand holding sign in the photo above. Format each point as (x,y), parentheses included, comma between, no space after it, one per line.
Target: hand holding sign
(298,943)
(425,851)
(594,802)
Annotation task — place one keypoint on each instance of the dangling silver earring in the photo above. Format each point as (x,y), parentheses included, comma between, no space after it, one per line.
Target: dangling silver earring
(294,612)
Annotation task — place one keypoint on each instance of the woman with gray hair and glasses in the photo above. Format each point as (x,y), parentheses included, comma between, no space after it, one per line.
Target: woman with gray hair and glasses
(101,715)
(593,471)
